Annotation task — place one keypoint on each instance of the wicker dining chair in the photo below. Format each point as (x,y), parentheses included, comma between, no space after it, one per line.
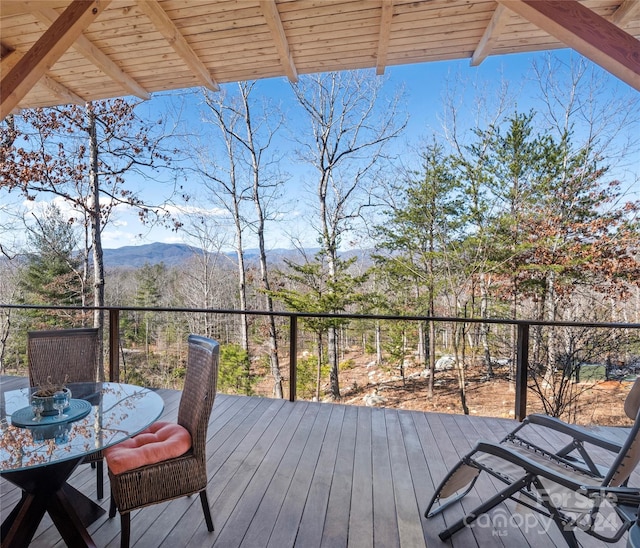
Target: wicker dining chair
(145,484)
(62,356)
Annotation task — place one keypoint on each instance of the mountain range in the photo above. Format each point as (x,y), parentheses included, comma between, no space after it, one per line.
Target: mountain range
(135,256)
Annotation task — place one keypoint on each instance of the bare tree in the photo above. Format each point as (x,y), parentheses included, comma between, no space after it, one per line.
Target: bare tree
(226,185)
(256,140)
(247,131)
(82,156)
(201,285)
(349,126)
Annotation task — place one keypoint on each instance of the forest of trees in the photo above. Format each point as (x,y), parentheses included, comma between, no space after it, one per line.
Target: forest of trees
(516,215)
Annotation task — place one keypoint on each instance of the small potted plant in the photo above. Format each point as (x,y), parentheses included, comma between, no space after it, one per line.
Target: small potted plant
(49,396)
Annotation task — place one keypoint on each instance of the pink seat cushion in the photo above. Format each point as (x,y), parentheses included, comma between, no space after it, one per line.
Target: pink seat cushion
(160,441)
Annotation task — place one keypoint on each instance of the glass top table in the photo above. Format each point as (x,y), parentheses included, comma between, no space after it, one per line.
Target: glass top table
(118,411)
(40,457)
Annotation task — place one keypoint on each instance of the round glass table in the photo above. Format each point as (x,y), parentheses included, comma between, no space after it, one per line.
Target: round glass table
(39,455)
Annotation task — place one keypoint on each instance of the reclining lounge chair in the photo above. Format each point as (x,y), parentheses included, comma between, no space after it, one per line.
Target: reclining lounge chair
(574,486)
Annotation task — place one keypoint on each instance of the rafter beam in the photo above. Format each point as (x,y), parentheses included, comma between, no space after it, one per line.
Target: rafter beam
(62,92)
(67,96)
(627,11)
(384,35)
(85,47)
(491,35)
(171,34)
(46,51)
(8,60)
(585,31)
(272,16)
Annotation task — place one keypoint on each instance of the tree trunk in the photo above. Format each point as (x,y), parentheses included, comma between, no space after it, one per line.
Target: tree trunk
(332,257)
(379,357)
(432,356)
(319,368)
(242,286)
(273,334)
(432,334)
(332,357)
(484,327)
(458,342)
(264,269)
(96,240)
(422,345)
(552,340)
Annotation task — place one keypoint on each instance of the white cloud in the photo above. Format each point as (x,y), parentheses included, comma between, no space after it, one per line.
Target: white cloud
(195,210)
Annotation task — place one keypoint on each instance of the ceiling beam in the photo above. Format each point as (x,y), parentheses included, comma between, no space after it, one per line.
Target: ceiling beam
(272,16)
(491,35)
(627,11)
(67,96)
(384,35)
(8,59)
(46,51)
(84,46)
(167,28)
(585,31)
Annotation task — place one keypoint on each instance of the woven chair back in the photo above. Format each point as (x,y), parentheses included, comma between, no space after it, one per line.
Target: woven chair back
(63,355)
(199,390)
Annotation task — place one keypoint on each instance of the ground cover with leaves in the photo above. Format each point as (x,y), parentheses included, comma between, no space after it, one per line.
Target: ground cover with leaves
(364,383)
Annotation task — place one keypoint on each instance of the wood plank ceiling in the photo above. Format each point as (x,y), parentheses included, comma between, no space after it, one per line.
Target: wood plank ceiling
(62,51)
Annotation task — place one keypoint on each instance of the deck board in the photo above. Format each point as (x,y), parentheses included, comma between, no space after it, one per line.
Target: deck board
(285,529)
(307,474)
(315,508)
(360,517)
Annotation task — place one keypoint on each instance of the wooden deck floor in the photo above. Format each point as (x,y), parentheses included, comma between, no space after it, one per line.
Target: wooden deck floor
(306,474)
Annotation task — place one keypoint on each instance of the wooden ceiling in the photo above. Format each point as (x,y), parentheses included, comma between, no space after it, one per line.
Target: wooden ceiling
(62,51)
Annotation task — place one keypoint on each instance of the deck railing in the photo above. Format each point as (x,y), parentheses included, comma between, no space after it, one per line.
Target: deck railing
(522,338)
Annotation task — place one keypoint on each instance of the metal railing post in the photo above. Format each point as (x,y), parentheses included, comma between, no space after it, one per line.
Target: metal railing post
(522,368)
(293,356)
(114,345)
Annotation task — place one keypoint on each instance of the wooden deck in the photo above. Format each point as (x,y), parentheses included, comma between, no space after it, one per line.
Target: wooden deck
(307,474)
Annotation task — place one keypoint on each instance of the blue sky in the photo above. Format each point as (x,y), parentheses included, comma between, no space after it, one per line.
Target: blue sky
(425,87)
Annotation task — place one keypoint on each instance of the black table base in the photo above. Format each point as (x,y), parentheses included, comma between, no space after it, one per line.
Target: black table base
(45,489)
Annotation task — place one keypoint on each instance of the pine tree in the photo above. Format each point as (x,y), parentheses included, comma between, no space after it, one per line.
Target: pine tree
(52,272)
(421,224)
(312,290)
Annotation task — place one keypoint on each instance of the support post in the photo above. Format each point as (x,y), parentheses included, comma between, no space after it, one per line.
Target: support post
(293,356)
(522,368)
(114,345)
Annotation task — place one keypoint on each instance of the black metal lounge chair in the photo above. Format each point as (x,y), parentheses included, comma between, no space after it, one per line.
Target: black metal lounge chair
(575,485)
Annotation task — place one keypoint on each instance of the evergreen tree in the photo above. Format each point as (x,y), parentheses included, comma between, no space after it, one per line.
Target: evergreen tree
(420,226)
(52,271)
(312,290)
(148,294)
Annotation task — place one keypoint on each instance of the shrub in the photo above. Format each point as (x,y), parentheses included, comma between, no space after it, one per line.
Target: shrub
(235,371)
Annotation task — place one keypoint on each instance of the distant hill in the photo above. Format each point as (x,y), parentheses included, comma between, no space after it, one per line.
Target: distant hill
(135,256)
